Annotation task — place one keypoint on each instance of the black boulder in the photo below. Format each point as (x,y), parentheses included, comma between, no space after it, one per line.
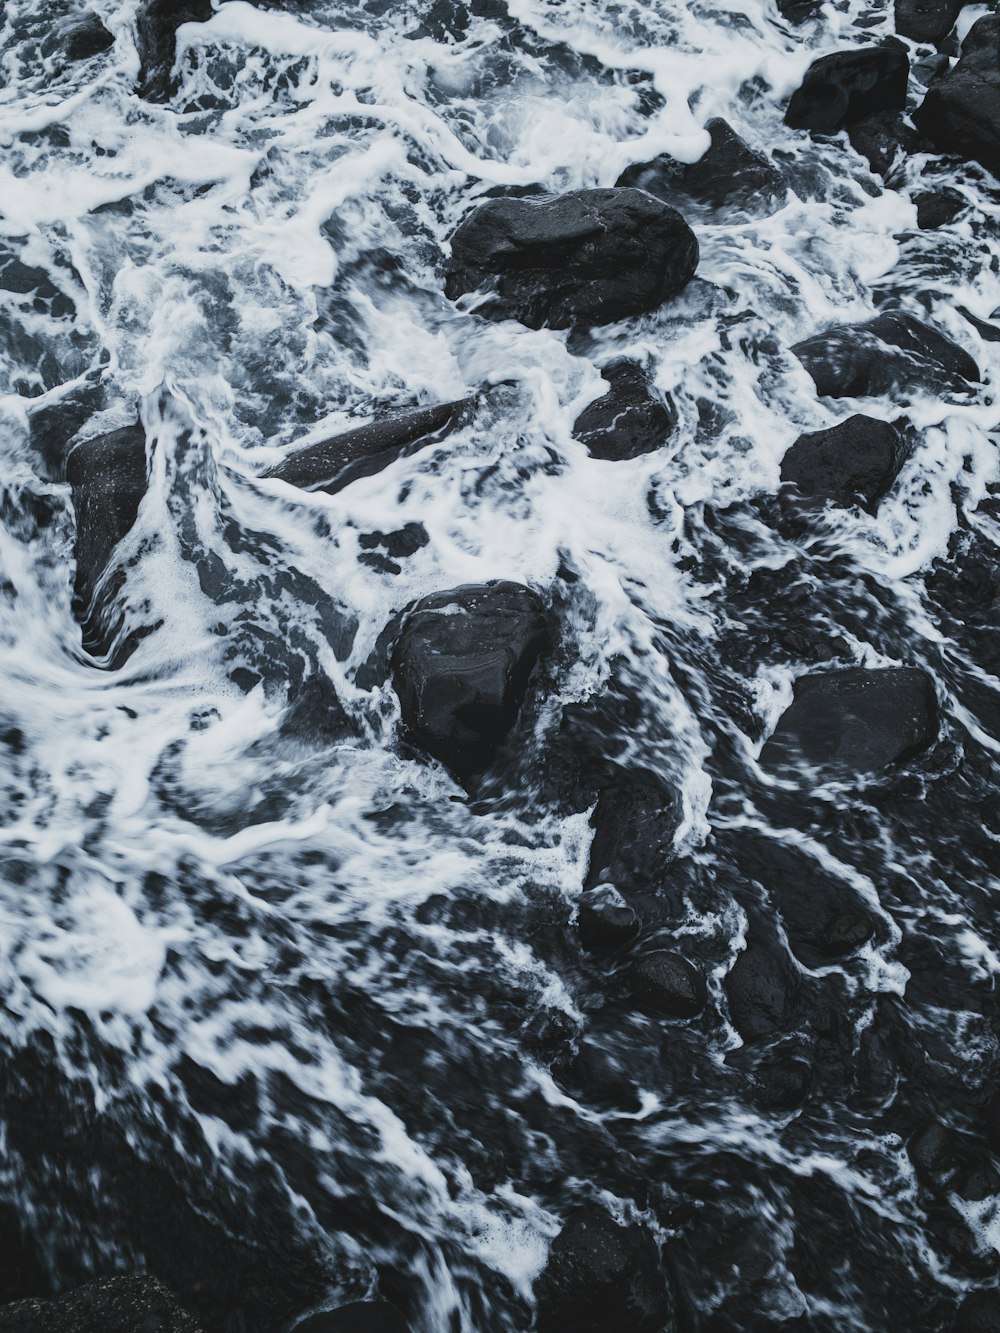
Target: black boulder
(927,21)
(730,174)
(961,112)
(356,1317)
(461,666)
(842,723)
(156,25)
(602,1276)
(87,37)
(979,1312)
(628,420)
(605,921)
(848,85)
(330,465)
(893,351)
(763,990)
(667,984)
(854,462)
(884,140)
(588,257)
(936,208)
(635,821)
(113,1305)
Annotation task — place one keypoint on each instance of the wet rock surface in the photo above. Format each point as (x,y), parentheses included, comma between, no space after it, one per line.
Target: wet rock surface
(847,85)
(961,112)
(589,257)
(764,991)
(729,175)
(854,462)
(667,984)
(156,24)
(356,1317)
(113,1305)
(629,419)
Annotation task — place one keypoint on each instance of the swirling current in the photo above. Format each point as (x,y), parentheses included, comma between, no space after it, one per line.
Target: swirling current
(290,1015)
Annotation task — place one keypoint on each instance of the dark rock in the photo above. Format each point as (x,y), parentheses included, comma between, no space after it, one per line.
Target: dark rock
(156,25)
(927,21)
(936,208)
(107,475)
(988,332)
(848,85)
(113,1305)
(883,139)
(979,1312)
(857,721)
(21,1273)
(730,174)
(461,666)
(89,37)
(602,1276)
(763,990)
(991,1123)
(606,922)
(333,464)
(782,1085)
(598,1076)
(798,11)
(961,112)
(668,984)
(357,1317)
(662,177)
(854,462)
(628,420)
(588,257)
(890,352)
(635,821)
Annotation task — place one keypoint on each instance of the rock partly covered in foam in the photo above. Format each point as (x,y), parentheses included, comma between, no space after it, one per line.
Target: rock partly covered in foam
(842,723)
(879,356)
(729,174)
(885,140)
(588,257)
(602,1276)
(461,667)
(635,822)
(111,1305)
(847,85)
(927,21)
(763,990)
(356,1317)
(961,112)
(606,922)
(629,419)
(854,462)
(156,24)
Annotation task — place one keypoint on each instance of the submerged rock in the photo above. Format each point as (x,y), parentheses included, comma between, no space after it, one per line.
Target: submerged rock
(156,25)
(606,922)
(856,721)
(668,984)
(602,1276)
(854,462)
(356,1317)
(635,821)
(892,351)
(330,465)
(763,990)
(461,666)
(628,420)
(730,174)
(588,257)
(847,85)
(112,1305)
(961,112)
(927,21)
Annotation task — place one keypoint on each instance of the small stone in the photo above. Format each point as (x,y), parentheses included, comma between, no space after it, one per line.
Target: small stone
(628,420)
(606,922)
(848,85)
(763,991)
(668,984)
(936,208)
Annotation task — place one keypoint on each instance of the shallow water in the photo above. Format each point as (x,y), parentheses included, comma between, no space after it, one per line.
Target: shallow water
(284,1014)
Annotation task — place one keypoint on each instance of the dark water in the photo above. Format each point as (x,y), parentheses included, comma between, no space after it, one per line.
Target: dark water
(286,1015)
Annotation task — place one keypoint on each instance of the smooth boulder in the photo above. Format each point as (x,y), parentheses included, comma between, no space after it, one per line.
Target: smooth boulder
(847,85)
(332,464)
(87,37)
(629,419)
(577,259)
(854,462)
(356,1317)
(961,111)
(461,667)
(602,1276)
(111,1305)
(842,723)
(927,21)
(668,985)
(156,24)
(893,351)
(936,208)
(729,174)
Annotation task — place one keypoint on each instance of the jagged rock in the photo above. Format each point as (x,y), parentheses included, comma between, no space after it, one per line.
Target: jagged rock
(854,462)
(156,25)
(961,112)
(602,1276)
(87,37)
(588,257)
(979,1312)
(668,984)
(356,1317)
(890,352)
(730,174)
(628,420)
(635,821)
(857,721)
(883,139)
(848,85)
(936,208)
(606,922)
(763,990)
(461,666)
(108,478)
(112,1305)
(333,464)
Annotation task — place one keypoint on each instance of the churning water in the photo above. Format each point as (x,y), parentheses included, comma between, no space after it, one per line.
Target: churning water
(286,1014)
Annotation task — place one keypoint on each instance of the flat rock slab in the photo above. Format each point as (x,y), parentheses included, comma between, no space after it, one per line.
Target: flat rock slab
(110,1305)
(627,421)
(578,259)
(601,1276)
(844,723)
(961,112)
(848,85)
(461,666)
(854,462)
(332,464)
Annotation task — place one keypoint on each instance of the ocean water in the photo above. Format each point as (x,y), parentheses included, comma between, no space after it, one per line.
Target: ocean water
(285,1013)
